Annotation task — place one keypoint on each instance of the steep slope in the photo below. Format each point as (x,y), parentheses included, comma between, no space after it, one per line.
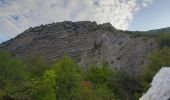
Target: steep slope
(85,41)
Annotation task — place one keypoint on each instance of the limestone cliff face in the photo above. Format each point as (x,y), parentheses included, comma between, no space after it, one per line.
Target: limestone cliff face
(85,41)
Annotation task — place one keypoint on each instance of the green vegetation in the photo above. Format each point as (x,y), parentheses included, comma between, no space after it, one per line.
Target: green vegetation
(36,64)
(12,71)
(32,78)
(158,59)
(163,35)
(164,40)
(68,79)
(63,80)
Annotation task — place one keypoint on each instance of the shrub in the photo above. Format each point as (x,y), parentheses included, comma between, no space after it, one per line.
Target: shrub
(101,92)
(98,74)
(164,40)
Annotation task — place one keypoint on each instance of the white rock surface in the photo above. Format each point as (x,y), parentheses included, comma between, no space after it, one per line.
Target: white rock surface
(160,86)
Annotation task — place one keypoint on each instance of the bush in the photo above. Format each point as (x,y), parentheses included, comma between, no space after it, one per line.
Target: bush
(98,74)
(164,40)
(103,93)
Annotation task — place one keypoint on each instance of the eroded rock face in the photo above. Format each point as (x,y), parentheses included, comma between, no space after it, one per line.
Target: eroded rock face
(85,41)
(160,86)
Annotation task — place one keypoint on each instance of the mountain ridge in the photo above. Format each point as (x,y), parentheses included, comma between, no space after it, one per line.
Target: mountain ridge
(87,42)
(161,30)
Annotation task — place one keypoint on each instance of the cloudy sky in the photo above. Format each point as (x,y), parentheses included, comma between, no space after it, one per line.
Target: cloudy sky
(18,15)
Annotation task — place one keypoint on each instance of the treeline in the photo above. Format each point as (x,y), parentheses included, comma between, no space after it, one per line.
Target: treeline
(33,78)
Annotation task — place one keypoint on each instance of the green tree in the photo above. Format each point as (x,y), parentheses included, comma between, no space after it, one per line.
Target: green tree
(48,84)
(35,64)
(41,88)
(12,71)
(68,79)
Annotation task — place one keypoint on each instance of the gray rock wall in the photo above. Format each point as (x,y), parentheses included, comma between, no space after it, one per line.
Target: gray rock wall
(87,42)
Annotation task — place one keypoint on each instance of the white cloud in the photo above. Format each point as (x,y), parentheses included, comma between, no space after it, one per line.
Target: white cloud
(18,15)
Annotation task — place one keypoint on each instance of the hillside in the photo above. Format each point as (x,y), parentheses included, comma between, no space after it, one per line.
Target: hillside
(162,30)
(81,61)
(85,41)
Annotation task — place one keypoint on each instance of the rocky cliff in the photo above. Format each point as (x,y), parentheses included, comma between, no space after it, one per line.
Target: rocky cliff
(85,41)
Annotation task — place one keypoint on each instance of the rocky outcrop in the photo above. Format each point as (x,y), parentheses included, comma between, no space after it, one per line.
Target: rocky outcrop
(85,41)
(160,88)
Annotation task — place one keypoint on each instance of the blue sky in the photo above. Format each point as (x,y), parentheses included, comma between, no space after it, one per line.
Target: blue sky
(155,16)
(18,15)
